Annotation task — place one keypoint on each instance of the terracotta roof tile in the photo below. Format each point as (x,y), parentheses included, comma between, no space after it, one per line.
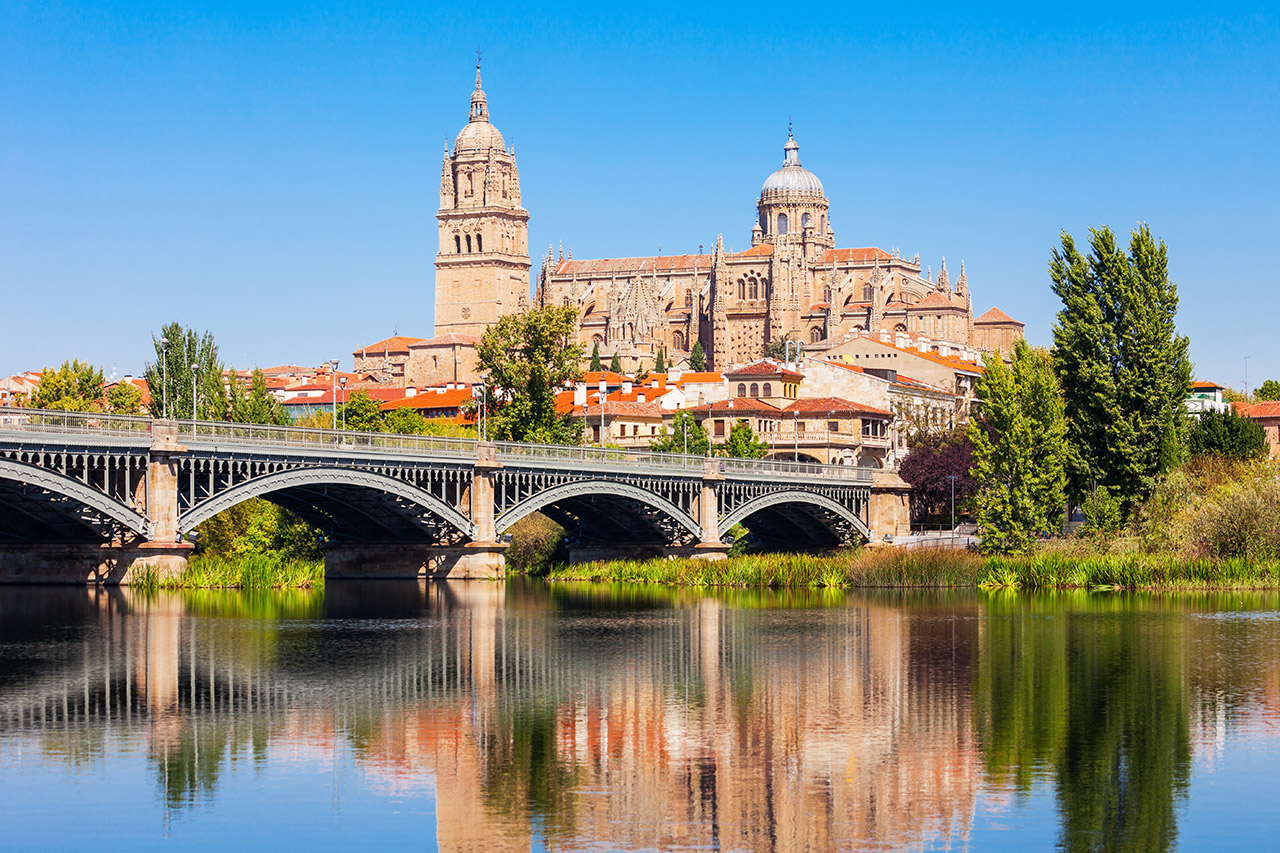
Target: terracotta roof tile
(697,378)
(626,409)
(738,405)
(1208,385)
(995,315)
(661,264)
(399,343)
(835,405)
(1269,409)
(869,253)
(763,367)
(934,300)
(431,399)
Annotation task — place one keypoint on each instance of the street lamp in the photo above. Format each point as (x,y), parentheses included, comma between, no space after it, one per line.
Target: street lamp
(795,435)
(195,393)
(342,380)
(952,478)
(164,383)
(604,397)
(333,384)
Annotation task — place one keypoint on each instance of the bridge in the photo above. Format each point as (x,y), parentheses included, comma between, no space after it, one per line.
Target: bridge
(97,497)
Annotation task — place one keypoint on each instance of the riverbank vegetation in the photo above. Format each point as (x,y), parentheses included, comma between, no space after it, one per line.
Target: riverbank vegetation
(241,571)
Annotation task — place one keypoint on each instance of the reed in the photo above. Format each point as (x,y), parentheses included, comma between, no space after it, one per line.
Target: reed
(248,571)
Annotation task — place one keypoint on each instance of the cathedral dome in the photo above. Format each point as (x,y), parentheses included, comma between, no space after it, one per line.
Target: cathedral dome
(478,134)
(792,176)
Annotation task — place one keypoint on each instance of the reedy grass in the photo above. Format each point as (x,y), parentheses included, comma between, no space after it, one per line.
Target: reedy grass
(892,568)
(249,571)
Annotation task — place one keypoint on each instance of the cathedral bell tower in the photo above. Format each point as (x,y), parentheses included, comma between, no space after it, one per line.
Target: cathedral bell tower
(792,209)
(482,268)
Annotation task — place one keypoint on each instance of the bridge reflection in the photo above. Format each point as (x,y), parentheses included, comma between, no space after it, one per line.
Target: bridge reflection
(648,718)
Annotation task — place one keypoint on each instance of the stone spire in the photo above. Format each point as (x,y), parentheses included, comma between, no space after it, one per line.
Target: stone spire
(944,281)
(479,105)
(962,281)
(446,181)
(719,315)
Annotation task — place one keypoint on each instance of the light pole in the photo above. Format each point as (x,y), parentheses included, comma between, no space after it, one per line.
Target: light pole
(952,478)
(195,393)
(795,435)
(604,396)
(828,438)
(164,383)
(342,380)
(333,384)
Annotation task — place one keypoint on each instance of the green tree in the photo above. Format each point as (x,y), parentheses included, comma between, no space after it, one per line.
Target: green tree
(171,389)
(595,357)
(743,443)
(404,421)
(1018,450)
(776,349)
(74,387)
(1269,390)
(660,366)
(360,413)
(615,363)
(1123,369)
(683,429)
(256,405)
(1227,434)
(124,398)
(528,358)
(697,358)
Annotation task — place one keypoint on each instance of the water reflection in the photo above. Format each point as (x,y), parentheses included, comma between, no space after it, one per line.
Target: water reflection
(648,718)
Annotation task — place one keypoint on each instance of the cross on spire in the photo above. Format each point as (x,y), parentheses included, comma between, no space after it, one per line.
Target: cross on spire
(477,68)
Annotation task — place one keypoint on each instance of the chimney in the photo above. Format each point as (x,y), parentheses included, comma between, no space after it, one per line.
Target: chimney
(411,391)
(640,398)
(626,386)
(580,394)
(884,336)
(673,375)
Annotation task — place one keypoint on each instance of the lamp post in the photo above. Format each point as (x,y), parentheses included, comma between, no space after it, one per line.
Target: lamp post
(952,478)
(164,383)
(604,397)
(828,438)
(195,394)
(342,380)
(795,435)
(333,384)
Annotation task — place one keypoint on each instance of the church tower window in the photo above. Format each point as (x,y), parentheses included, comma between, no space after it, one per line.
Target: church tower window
(782,223)
(815,335)
(753,289)
(742,289)
(804,221)
(479,246)
(468,244)
(457,244)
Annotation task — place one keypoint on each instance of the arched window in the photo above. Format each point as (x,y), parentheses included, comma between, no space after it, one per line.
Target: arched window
(815,335)
(764,223)
(768,389)
(804,221)
(866,293)
(822,225)
(782,223)
(688,299)
(753,289)
(742,389)
(596,339)
(457,244)
(566,302)
(899,328)
(755,390)
(826,294)
(479,245)
(468,244)
(677,340)
(742,289)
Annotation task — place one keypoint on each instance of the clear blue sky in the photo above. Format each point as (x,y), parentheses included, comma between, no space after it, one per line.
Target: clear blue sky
(270,171)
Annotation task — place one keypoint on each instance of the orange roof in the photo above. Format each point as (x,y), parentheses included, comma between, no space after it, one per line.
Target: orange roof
(855,255)
(1207,385)
(760,250)
(995,315)
(593,377)
(764,367)
(399,343)
(695,378)
(661,263)
(935,300)
(1269,409)
(835,405)
(625,409)
(738,405)
(431,399)
(378,394)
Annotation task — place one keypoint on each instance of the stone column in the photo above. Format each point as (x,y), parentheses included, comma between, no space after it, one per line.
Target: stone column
(163,552)
(890,506)
(710,548)
(482,558)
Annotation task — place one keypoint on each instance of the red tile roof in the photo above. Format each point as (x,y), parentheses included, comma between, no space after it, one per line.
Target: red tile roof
(625,409)
(378,394)
(661,263)
(995,315)
(1269,409)
(1206,385)
(935,300)
(835,405)
(763,367)
(760,250)
(430,400)
(697,378)
(449,339)
(593,377)
(399,343)
(738,405)
(869,253)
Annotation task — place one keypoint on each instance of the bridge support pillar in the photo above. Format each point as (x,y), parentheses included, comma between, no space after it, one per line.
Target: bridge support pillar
(164,553)
(890,511)
(710,547)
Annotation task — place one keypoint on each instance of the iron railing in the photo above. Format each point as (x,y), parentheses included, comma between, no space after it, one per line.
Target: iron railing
(94,423)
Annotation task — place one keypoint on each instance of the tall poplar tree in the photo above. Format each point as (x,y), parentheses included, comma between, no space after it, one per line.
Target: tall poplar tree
(595,357)
(1018,450)
(169,376)
(1123,368)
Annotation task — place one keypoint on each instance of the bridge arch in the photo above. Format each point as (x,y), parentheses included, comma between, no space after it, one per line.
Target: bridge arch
(61,501)
(568,502)
(359,496)
(788,512)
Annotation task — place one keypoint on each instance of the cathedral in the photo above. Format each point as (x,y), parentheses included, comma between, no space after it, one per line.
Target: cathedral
(793,283)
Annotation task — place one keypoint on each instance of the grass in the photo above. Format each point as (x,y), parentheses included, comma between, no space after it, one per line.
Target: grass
(891,568)
(251,571)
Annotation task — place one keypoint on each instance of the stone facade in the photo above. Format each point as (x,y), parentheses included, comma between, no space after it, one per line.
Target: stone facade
(482,268)
(443,359)
(792,283)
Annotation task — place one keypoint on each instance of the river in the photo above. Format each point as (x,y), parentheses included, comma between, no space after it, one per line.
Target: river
(518,716)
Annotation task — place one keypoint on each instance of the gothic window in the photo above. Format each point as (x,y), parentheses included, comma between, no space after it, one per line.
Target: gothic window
(755,390)
(742,289)
(688,299)
(782,223)
(504,184)
(457,244)
(804,221)
(826,294)
(822,224)
(596,339)
(768,389)
(677,340)
(566,302)
(899,328)
(742,389)
(753,289)
(479,245)
(468,244)
(866,293)
(815,335)
(764,223)
(471,183)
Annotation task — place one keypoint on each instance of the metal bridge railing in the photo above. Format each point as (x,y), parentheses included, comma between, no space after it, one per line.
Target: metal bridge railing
(93,423)
(292,436)
(72,423)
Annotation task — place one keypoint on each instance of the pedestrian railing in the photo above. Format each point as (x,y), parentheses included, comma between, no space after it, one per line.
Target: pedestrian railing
(94,423)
